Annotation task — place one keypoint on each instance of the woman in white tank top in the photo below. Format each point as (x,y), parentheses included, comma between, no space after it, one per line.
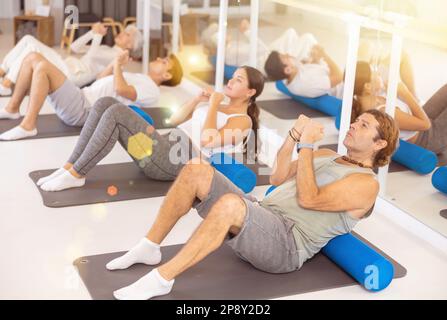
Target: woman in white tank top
(410,116)
(201,130)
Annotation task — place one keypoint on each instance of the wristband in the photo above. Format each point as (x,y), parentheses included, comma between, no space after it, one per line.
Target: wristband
(304,146)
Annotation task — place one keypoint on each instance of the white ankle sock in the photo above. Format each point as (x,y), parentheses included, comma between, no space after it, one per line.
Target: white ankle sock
(7,115)
(55,174)
(145,252)
(63,182)
(17,133)
(5,91)
(151,285)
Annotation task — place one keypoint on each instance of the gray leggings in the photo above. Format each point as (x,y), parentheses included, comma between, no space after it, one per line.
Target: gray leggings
(435,139)
(110,121)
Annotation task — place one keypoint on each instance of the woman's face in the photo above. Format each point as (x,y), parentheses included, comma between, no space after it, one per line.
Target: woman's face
(238,86)
(125,40)
(376,85)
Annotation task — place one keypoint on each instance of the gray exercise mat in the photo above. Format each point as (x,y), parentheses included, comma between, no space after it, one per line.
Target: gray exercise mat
(394,166)
(288,109)
(222,276)
(50,126)
(129,181)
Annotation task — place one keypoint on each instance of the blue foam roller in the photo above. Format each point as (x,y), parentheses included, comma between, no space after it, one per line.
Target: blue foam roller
(143,114)
(415,158)
(439,179)
(338,121)
(228,69)
(327,104)
(370,269)
(244,178)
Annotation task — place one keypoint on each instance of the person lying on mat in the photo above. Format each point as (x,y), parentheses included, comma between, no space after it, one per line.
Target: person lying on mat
(320,196)
(72,104)
(202,130)
(379,58)
(314,76)
(425,125)
(81,71)
(237,51)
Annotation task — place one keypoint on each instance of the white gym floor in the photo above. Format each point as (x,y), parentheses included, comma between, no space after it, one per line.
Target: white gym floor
(38,244)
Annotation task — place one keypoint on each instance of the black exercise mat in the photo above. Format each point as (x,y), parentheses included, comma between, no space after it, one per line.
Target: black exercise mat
(394,166)
(288,109)
(222,276)
(50,126)
(127,178)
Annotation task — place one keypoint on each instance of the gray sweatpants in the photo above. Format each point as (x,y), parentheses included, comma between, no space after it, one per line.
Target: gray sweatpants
(435,139)
(110,121)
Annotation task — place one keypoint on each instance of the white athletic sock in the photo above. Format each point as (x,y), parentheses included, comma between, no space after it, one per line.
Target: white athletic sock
(151,285)
(7,115)
(17,133)
(145,252)
(5,91)
(55,174)
(63,182)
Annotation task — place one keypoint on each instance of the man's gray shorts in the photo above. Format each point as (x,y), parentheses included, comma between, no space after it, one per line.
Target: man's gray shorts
(266,240)
(70,104)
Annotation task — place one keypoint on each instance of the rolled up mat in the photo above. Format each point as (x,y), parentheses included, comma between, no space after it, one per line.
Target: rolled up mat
(327,104)
(415,158)
(142,114)
(364,264)
(242,177)
(439,179)
(221,276)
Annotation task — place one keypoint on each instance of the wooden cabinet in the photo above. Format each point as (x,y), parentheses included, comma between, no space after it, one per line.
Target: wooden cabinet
(42,28)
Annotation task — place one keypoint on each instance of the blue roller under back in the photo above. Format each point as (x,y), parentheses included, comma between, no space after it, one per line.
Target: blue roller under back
(142,114)
(244,178)
(439,179)
(327,104)
(364,264)
(415,157)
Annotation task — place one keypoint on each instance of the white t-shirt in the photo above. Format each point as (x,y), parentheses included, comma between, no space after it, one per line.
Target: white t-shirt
(148,92)
(95,59)
(403,134)
(311,81)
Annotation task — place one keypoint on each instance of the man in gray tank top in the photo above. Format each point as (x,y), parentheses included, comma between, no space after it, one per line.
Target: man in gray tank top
(318,197)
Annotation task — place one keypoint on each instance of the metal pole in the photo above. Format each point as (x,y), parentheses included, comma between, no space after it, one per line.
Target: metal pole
(351,66)
(147,35)
(254,22)
(176,26)
(393,82)
(220,64)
